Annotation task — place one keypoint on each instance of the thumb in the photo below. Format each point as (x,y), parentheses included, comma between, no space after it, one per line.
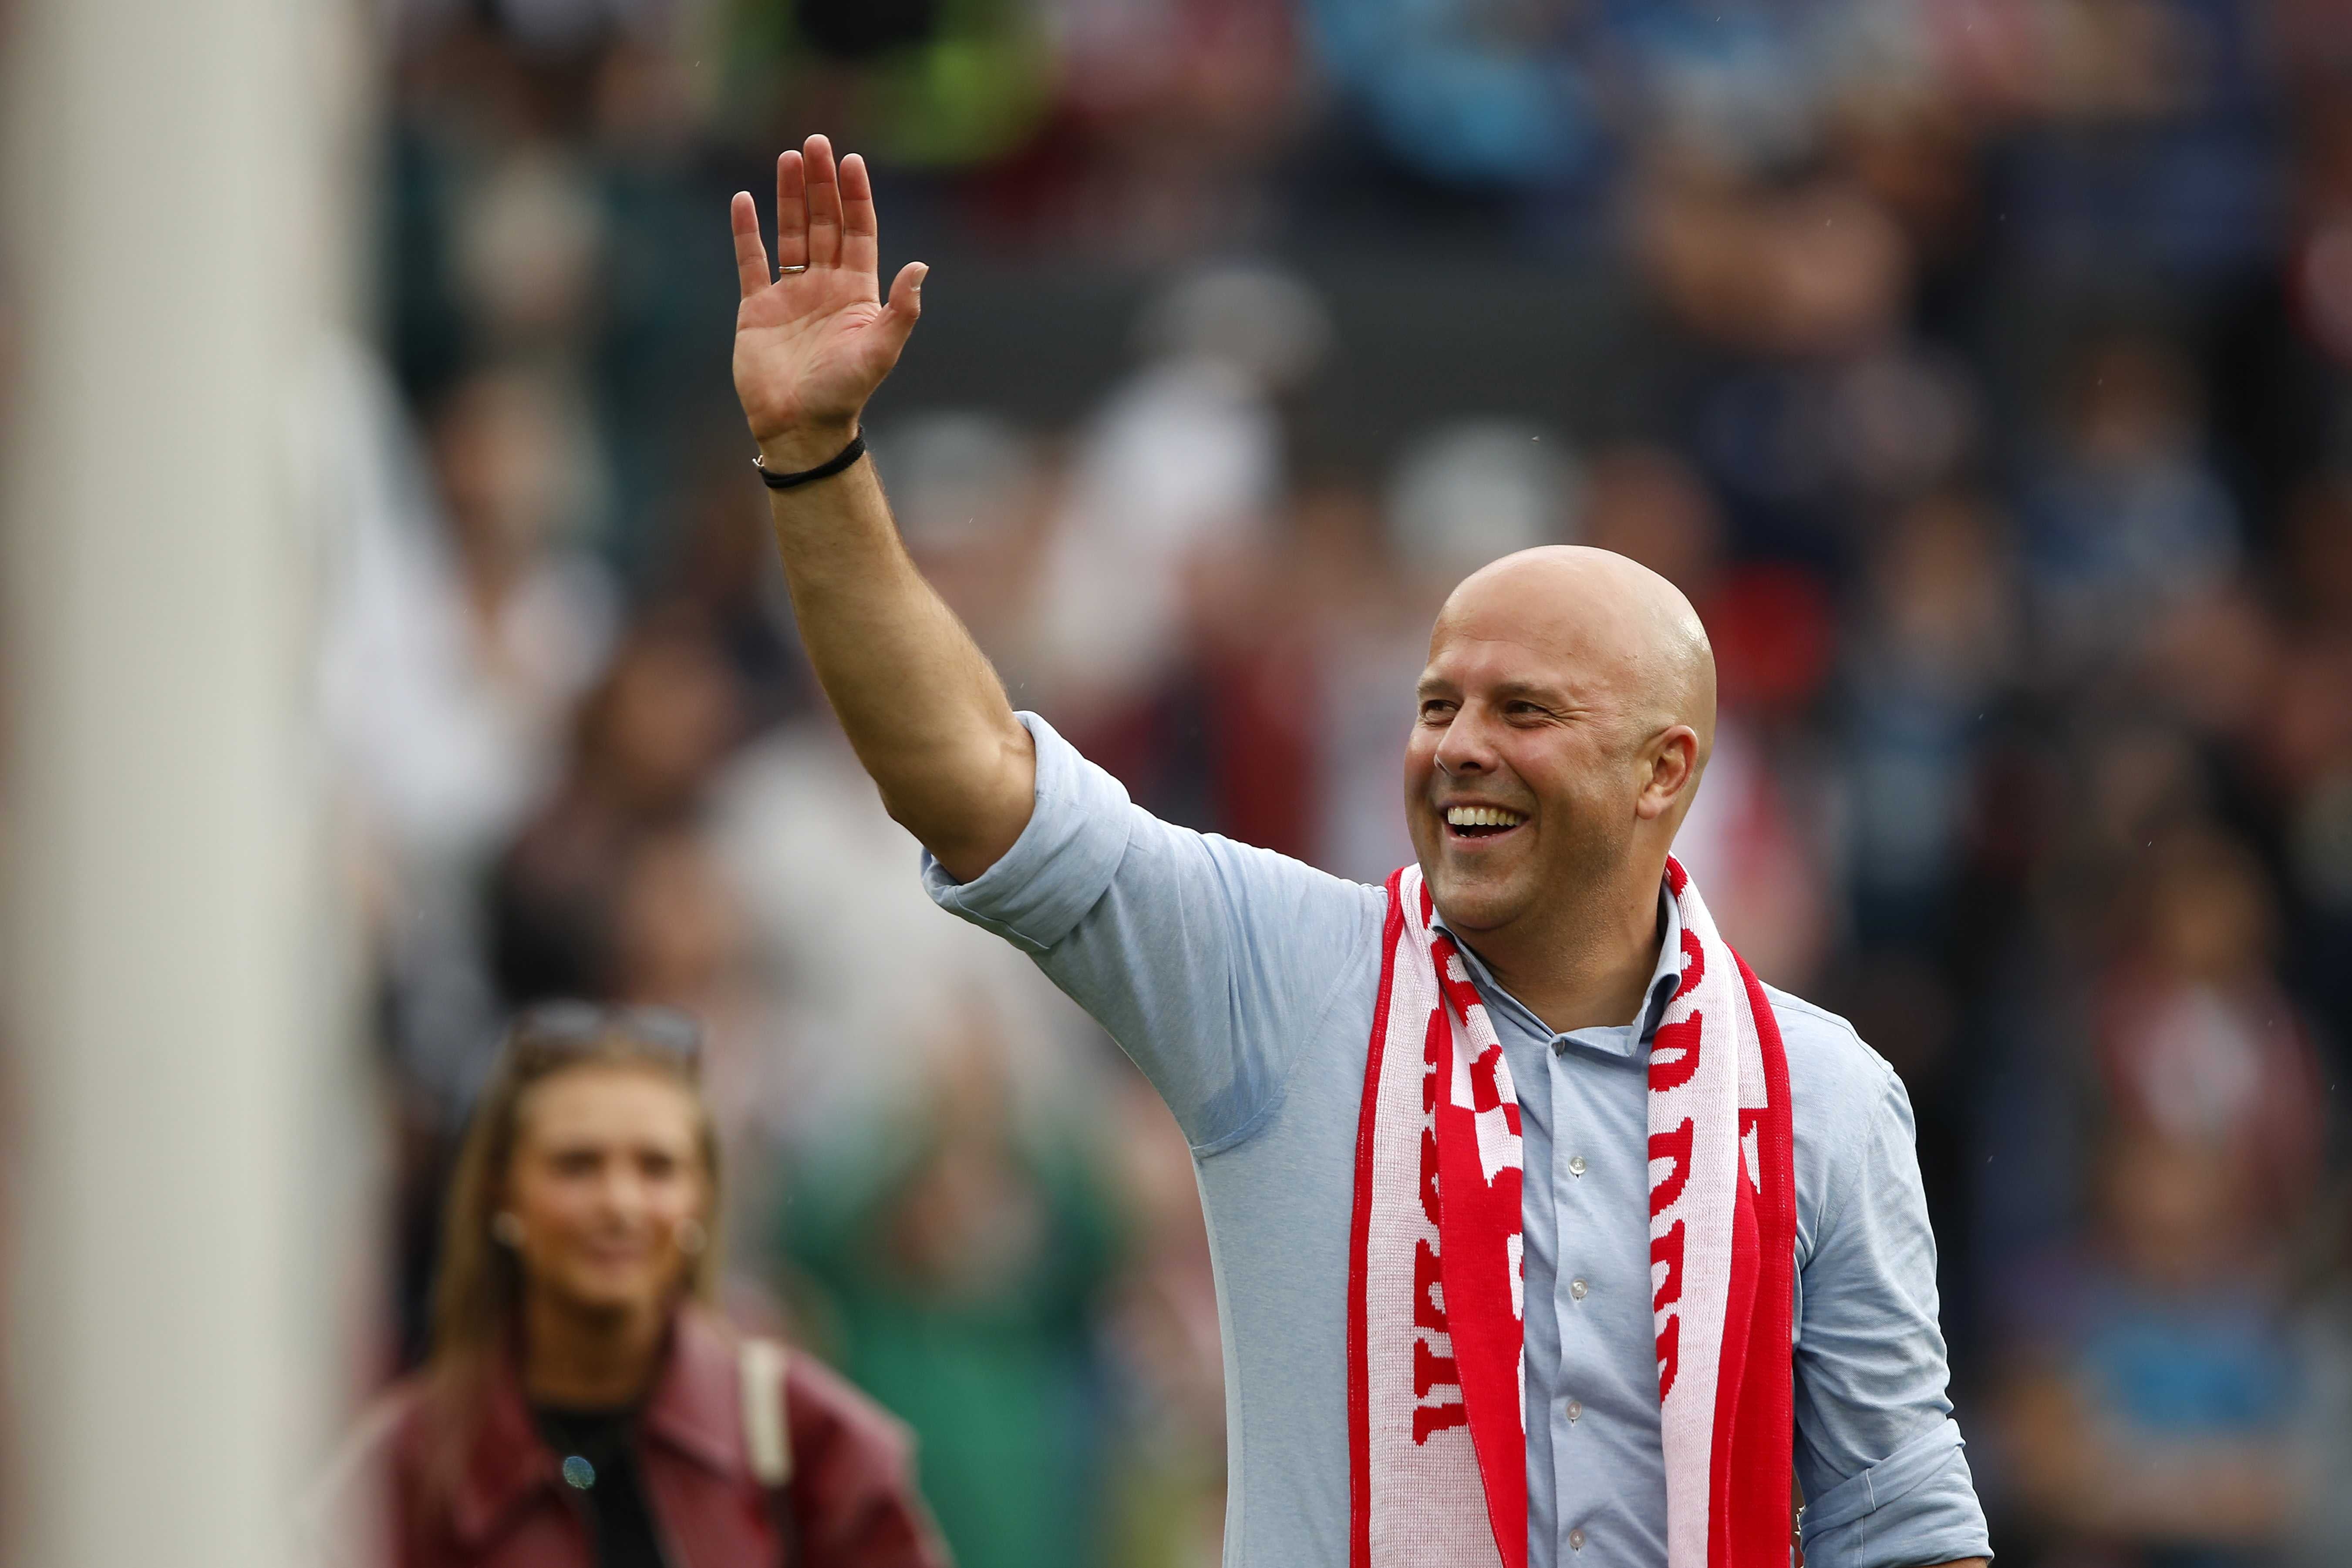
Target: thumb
(905,303)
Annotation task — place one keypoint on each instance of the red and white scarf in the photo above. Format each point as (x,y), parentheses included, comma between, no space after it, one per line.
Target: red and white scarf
(1436,1420)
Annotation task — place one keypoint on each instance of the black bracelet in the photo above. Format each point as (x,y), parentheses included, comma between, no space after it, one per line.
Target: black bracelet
(826,470)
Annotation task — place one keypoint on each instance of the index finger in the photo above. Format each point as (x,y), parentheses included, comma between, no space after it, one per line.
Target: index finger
(861,247)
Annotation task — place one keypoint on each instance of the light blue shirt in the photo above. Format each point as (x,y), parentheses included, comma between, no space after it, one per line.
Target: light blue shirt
(1242,984)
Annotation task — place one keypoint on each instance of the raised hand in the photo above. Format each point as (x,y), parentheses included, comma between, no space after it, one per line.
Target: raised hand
(812,343)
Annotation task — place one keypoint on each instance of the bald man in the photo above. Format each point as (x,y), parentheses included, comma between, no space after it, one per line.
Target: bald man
(1543,1232)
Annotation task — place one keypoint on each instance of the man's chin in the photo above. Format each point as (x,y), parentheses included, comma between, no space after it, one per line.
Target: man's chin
(1470,905)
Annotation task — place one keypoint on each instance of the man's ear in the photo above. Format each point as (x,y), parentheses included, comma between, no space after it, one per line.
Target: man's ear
(1673,774)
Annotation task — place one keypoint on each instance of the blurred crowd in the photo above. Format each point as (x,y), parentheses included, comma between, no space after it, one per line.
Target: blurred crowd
(1983,368)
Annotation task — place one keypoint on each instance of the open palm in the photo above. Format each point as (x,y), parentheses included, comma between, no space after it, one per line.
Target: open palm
(812,344)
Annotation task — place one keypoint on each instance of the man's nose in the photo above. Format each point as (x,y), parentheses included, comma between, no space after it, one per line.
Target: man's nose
(1465,749)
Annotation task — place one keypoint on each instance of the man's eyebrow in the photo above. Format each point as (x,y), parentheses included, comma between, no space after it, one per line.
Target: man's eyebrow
(1536,691)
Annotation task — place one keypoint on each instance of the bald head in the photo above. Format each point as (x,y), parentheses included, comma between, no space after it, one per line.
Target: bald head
(1635,639)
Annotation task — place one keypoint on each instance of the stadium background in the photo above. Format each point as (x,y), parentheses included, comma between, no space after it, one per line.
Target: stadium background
(1983,368)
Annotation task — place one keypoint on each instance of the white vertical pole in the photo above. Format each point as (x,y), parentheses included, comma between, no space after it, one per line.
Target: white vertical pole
(163,1004)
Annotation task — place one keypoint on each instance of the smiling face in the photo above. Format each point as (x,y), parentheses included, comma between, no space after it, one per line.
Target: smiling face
(1563,718)
(608,1167)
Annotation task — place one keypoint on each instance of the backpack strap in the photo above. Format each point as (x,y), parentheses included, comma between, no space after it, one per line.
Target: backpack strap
(767,1433)
(762,1366)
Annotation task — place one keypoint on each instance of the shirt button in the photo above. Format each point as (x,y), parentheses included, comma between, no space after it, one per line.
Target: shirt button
(1575,1408)
(1576,1540)
(1576,1165)
(1577,1287)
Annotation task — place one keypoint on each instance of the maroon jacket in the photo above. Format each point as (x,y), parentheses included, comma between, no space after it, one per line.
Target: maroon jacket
(852,1497)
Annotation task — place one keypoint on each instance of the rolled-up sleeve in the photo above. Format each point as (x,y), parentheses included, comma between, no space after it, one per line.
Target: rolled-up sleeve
(1917,1506)
(1207,960)
(1064,860)
(1878,1454)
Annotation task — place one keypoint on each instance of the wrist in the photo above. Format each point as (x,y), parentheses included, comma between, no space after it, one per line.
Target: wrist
(805,447)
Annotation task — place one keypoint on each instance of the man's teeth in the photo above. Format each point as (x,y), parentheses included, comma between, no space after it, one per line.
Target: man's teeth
(1482,817)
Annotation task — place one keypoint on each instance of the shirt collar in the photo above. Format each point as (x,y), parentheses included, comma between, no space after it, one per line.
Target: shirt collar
(1619,1039)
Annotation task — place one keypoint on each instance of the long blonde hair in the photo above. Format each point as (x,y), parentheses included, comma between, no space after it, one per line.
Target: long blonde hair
(477,1293)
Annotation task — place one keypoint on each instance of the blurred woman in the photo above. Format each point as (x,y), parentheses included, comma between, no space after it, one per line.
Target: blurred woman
(584,1407)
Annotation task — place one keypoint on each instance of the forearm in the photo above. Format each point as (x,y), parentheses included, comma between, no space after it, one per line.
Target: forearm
(814,337)
(919,701)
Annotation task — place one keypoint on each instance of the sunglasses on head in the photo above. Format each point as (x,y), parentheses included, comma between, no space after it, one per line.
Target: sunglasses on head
(555,1030)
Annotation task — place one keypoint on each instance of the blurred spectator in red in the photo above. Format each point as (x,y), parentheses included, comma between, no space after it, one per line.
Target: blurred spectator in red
(583,1404)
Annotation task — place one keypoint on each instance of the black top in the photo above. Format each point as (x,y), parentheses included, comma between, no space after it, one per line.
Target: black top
(597,1451)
